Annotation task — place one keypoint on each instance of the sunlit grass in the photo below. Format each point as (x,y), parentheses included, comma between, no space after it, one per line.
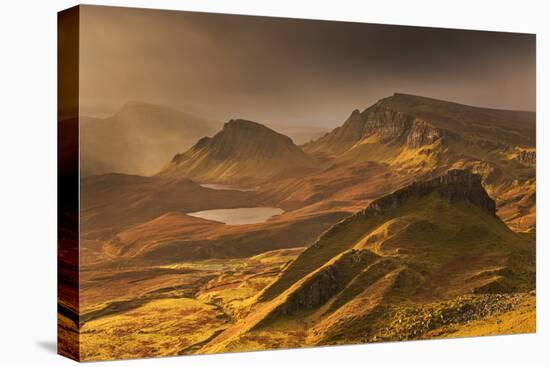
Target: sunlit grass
(158,328)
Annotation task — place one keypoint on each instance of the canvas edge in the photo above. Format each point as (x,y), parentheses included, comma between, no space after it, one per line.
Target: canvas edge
(68,338)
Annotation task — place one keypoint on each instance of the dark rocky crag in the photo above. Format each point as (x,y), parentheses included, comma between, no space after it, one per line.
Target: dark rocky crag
(456,186)
(389,125)
(392,125)
(330,279)
(527,157)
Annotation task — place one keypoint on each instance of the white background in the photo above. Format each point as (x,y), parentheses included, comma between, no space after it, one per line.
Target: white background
(28,182)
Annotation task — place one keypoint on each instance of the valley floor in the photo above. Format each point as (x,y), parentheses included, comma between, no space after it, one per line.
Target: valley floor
(182,308)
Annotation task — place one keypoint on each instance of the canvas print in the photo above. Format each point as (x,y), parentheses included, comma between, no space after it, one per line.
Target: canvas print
(235,183)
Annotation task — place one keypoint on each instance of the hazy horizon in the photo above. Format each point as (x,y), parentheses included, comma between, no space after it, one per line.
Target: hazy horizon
(291,71)
(106,114)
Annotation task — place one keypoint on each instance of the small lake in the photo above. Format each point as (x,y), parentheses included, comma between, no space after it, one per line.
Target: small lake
(228,187)
(239,215)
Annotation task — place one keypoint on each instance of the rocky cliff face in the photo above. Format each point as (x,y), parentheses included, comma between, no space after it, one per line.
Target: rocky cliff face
(385,124)
(323,284)
(417,121)
(456,186)
(314,293)
(340,139)
(527,157)
(422,133)
(389,124)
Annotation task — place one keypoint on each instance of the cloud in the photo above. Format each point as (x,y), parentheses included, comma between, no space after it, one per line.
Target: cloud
(289,70)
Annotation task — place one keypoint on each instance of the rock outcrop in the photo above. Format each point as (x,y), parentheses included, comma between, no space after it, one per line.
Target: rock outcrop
(527,157)
(422,133)
(456,186)
(382,122)
(323,284)
(389,125)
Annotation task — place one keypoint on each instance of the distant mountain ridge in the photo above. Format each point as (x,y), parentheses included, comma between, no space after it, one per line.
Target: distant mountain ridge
(420,121)
(137,139)
(243,151)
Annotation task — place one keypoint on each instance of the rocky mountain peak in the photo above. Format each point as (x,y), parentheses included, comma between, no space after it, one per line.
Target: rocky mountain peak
(243,124)
(242,151)
(355,114)
(244,129)
(387,122)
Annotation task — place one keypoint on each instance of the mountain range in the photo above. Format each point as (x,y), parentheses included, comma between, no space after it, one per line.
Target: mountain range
(138,139)
(414,218)
(396,141)
(416,121)
(141,138)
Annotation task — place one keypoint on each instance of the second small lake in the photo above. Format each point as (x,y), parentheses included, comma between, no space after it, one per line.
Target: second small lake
(227,187)
(238,215)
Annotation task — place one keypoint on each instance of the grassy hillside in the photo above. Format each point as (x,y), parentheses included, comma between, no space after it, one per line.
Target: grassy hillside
(425,244)
(417,136)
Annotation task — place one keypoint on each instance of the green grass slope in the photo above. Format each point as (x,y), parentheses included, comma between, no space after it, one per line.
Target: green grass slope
(429,242)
